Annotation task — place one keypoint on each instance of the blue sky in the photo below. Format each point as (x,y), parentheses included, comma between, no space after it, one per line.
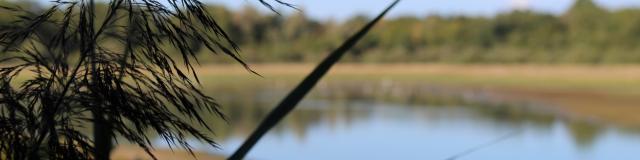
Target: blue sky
(339,9)
(344,8)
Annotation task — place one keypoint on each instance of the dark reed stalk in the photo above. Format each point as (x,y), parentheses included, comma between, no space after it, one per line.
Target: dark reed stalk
(484,145)
(298,93)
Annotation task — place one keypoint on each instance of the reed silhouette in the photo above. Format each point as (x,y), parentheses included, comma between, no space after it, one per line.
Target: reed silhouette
(298,93)
(76,77)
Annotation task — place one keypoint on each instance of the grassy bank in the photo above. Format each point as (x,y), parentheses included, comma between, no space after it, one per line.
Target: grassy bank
(618,80)
(604,93)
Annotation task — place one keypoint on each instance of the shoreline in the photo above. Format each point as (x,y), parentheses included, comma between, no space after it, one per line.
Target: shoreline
(605,93)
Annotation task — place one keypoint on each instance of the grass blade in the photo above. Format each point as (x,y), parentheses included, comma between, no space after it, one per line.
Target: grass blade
(295,96)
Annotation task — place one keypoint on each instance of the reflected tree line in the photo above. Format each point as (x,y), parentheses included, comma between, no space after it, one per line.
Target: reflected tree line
(336,104)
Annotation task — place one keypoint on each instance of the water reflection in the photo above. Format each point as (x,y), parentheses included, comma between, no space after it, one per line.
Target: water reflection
(373,121)
(584,134)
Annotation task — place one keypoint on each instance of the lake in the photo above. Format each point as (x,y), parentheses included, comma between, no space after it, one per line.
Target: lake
(361,120)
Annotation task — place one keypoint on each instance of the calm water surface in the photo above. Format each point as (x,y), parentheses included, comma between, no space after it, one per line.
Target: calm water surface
(364,127)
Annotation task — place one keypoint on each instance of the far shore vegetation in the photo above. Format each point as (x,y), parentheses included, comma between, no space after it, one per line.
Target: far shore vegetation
(585,34)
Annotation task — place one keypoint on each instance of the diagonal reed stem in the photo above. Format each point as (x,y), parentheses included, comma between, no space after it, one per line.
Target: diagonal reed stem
(295,96)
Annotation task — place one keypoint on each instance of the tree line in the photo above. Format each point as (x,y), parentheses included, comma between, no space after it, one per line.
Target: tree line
(585,33)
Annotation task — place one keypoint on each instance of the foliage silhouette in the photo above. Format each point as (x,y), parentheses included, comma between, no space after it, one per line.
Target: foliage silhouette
(296,95)
(75,77)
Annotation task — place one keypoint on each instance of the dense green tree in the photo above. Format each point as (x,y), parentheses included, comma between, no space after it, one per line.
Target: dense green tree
(586,22)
